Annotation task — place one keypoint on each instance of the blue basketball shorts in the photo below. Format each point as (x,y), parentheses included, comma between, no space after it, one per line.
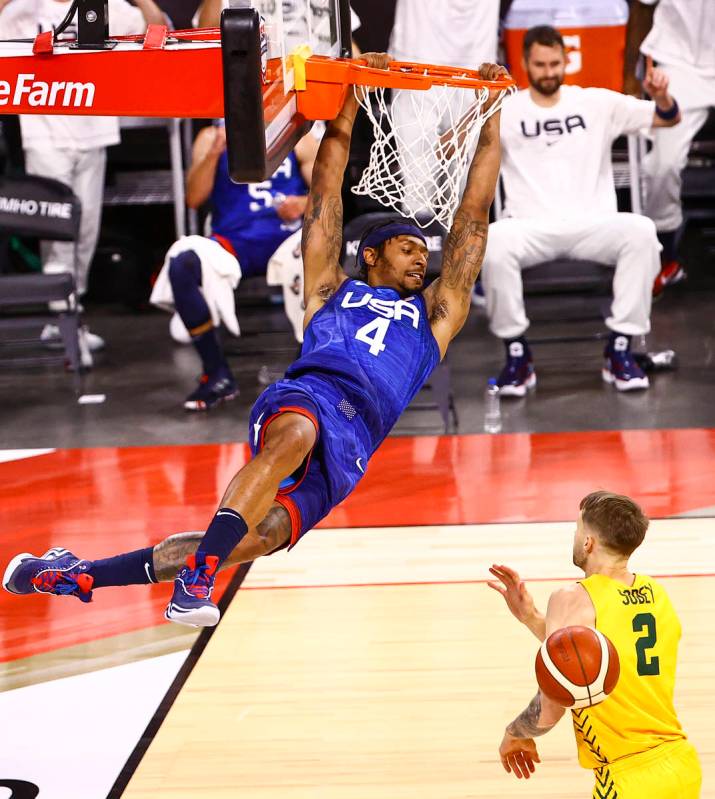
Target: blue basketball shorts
(338,459)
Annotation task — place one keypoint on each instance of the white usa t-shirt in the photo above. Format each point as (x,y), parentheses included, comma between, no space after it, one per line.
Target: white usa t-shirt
(458,33)
(556,161)
(24,19)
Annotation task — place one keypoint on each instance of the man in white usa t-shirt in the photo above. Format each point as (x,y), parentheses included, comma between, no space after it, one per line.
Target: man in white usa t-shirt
(561,202)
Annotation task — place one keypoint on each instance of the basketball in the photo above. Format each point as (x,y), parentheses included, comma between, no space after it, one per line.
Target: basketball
(577,667)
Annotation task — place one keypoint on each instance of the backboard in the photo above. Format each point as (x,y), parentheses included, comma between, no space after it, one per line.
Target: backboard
(259,40)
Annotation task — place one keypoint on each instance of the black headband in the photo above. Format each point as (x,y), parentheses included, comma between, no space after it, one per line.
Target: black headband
(378,235)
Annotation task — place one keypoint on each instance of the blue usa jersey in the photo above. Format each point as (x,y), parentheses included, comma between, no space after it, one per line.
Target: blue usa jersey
(245,213)
(376,347)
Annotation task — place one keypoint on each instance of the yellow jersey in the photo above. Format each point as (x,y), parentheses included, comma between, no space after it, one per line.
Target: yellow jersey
(639,715)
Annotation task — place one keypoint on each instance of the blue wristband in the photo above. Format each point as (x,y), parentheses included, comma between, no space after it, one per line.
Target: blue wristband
(671,113)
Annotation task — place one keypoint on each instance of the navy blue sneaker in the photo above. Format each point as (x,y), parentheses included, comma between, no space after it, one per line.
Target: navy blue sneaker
(620,367)
(57,572)
(191,601)
(518,374)
(211,391)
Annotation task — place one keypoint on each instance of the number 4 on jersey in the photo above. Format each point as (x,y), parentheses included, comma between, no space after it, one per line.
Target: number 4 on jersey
(373,334)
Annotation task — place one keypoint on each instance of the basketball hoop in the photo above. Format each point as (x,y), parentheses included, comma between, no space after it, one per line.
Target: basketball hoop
(443,133)
(438,152)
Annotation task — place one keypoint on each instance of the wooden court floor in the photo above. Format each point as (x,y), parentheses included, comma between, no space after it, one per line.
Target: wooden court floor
(377,664)
(371,661)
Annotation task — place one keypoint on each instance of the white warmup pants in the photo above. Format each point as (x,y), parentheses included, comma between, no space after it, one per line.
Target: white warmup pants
(626,240)
(664,164)
(83,172)
(435,110)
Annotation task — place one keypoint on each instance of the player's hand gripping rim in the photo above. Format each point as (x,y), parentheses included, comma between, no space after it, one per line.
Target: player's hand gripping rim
(374,61)
(491,72)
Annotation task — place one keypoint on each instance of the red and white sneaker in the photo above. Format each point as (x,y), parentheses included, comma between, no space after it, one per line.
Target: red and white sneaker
(671,273)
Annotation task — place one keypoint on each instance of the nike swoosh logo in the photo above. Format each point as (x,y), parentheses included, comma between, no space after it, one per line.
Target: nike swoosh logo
(357,463)
(257,429)
(148,573)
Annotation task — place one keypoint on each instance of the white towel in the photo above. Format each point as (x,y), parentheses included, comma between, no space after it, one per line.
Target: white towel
(285,268)
(220,275)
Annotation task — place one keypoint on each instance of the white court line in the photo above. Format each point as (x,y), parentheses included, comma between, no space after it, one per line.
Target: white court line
(7,455)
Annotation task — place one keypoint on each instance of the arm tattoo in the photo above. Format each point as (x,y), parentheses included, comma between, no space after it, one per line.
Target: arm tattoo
(464,252)
(326,240)
(311,218)
(526,724)
(274,531)
(171,553)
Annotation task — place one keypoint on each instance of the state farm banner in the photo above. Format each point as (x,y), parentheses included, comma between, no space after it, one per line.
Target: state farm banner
(184,81)
(38,207)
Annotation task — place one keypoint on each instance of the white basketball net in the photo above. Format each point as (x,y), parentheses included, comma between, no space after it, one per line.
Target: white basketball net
(424,143)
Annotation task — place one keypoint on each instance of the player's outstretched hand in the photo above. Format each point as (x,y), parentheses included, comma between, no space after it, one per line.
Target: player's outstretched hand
(655,82)
(518,756)
(515,593)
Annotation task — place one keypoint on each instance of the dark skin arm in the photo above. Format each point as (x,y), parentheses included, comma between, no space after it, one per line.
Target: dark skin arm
(323,223)
(448,298)
(640,21)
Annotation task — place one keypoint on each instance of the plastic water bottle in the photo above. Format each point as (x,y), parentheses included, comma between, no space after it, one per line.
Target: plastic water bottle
(492,408)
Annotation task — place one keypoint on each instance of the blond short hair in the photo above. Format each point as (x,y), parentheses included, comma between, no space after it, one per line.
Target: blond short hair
(618,520)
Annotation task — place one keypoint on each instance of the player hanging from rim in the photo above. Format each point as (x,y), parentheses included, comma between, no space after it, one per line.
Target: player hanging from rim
(633,740)
(369,347)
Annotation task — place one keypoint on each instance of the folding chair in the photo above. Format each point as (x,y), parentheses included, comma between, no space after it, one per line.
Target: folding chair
(42,208)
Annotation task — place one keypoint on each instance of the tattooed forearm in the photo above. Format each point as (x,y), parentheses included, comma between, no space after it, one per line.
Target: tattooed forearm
(273,532)
(526,724)
(464,251)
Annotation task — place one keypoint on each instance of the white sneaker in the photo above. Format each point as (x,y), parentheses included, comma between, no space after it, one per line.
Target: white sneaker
(52,339)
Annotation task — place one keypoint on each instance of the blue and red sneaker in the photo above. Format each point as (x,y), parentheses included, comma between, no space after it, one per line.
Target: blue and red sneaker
(621,367)
(518,374)
(191,601)
(57,572)
(212,390)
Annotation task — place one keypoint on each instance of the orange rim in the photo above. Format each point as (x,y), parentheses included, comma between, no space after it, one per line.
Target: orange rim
(328,81)
(399,75)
